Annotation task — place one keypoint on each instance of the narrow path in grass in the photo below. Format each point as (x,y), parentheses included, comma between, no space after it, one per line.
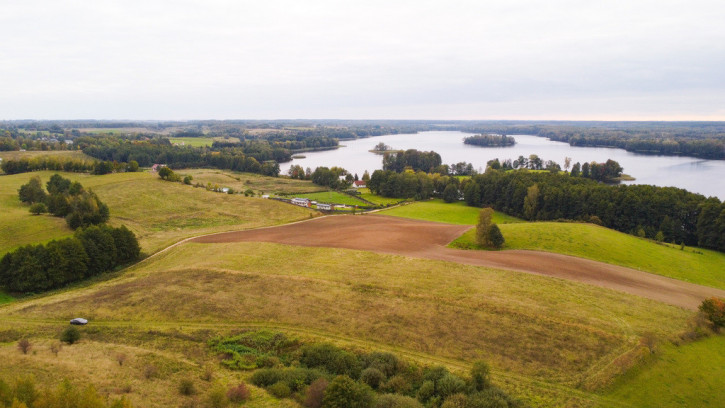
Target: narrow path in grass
(424,239)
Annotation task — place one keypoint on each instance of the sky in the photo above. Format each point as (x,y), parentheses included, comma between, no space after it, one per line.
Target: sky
(507,59)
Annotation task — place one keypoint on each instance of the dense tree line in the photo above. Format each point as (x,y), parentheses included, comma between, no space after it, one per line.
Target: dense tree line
(414,159)
(490,140)
(331,177)
(418,185)
(25,165)
(681,216)
(79,207)
(608,171)
(14,139)
(90,252)
(250,156)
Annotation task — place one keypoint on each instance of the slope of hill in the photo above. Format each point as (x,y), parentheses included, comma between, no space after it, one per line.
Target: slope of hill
(701,266)
(159,212)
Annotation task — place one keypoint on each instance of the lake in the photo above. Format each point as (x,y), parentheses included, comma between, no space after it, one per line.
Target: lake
(706,177)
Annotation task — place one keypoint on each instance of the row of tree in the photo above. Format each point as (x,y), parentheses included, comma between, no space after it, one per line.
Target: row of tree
(667,213)
(79,207)
(489,140)
(680,216)
(413,159)
(253,156)
(605,172)
(90,252)
(419,185)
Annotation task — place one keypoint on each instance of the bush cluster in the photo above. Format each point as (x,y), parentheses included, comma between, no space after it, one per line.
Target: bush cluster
(321,375)
(91,251)
(79,206)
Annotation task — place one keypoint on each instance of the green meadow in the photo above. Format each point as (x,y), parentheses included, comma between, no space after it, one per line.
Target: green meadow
(696,265)
(689,375)
(440,211)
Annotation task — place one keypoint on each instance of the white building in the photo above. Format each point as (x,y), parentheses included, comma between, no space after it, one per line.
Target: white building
(325,207)
(302,202)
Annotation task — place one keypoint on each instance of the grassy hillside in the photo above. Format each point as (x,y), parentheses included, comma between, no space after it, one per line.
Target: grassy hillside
(694,265)
(686,376)
(149,376)
(159,212)
(258,183)
(589,241)
(440,211)
(543,336)
(379,200)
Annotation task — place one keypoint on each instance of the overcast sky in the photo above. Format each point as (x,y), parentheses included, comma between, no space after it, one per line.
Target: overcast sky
(508,59)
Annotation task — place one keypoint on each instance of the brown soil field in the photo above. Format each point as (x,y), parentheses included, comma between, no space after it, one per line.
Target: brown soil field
(423,239)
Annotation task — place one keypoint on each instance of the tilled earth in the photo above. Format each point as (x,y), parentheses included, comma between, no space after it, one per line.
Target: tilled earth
(423,239)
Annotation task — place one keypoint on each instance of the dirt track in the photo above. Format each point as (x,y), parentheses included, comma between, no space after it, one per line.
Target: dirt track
(421,239)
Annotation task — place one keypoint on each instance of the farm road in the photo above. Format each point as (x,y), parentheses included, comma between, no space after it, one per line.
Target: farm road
(423,239)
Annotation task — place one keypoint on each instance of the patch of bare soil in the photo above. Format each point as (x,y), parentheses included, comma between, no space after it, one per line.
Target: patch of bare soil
(423,239)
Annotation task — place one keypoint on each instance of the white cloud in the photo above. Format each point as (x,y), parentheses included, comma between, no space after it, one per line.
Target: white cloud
(415,59)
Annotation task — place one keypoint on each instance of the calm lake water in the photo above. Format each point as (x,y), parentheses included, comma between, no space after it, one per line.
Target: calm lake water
(706,177)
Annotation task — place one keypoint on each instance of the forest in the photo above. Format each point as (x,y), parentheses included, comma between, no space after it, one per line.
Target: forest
(90,252)
(665,213)
(490,140)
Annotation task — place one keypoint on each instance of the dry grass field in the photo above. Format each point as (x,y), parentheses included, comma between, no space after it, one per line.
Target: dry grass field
(548,340)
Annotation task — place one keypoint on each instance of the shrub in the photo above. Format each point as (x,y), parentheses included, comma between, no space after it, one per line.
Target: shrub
(495,238)
(714,310)
(238,394)
(208,373)
(491,398)
(150,371)
(372,377)
(55,347)
(186,387)
(480,375)
(343,392)
(25,390)
(458,400)
(449,385)
(388,363)
(70,335)
(315,393)
(331,359)
(217,397)
(24,346)
(396,401)
(298,378)
(280,390)
(426,391)
(38,208)
(397,384)
(266,377)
